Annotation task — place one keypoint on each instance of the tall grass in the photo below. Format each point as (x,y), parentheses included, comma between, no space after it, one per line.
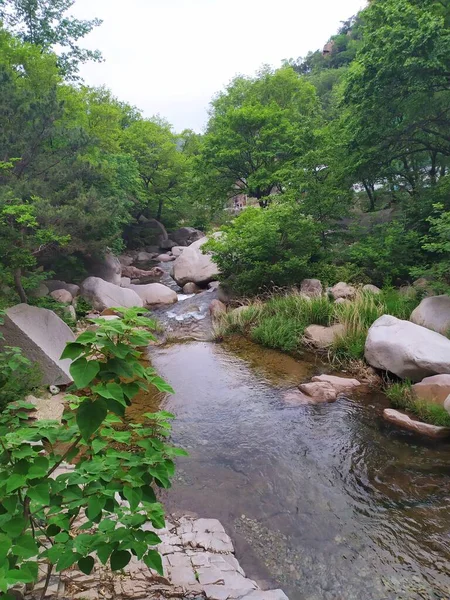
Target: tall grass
(401,396)
(280,321)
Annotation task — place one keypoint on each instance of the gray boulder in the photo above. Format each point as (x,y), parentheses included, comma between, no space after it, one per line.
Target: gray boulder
(62,296)
(194,266)
(107,268)
(311,287)
(167,244)
(42,336)
(371,289)
(102,294)
(406,349)
(343,290)
(55,284)
(40,292)
(185,236)
(155,294)
(433,313)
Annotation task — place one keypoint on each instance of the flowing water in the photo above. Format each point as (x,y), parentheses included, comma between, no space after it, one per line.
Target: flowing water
(326,502)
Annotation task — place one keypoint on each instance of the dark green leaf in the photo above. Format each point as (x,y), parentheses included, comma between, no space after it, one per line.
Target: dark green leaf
(90,415)
(153,561)
(88,337)
(119,559)
(15,526)
(25,546)
(39,493)
(66,560)
(161,385)
(95,507)
(84,371)
(133,495)
(86,565)
(72,351)
(104,552)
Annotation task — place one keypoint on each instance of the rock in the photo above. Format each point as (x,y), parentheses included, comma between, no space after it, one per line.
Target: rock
(126,260)
(267,595)
(54,390)
(402,420)
(177,251)
(447,405)
(185,236)
(433,313)
(102,294)
(49,408)
(343,290)
(194,266)
(435,389)
(125,282)
(217,308)
(342,301)
(165,258)
(143,258)
(107,268)
(341,385)
(372,289)
(40,292)
(311,287)
(406,349)
(421,283)
(62,296)
(323,337)
(154,294)
(191,288)
(42,336)
(407,291)
(223,294)
(167,244)
(320,391)
(70,312)
(150,276)
(55,284)
(213,285)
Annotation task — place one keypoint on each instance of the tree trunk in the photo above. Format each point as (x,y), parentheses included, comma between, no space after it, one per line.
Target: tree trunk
(160,207)
(370,191)
(19,286)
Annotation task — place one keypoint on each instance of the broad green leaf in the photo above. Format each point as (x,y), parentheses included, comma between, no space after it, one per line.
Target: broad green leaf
(86,565)
(39,493)
(39,467)
(120,367)
(72,351)
(15,481)
(84,371)
(104,552)
(153,561)
(161,385)
(25,546)
(119,559)
(88,337)
(107,525)
(98,445)
(95,507)
(90,415)
(130,390)
(133,495)
(53,530)
(66,560)
(5,545)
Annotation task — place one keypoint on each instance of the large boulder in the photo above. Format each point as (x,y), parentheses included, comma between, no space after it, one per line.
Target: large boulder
(107,267)
(178,251)
(42,336)
(62,296)
(194,266)
(435,389)
(150,276)
(371,289)
(343,290)
(55,284)
(155,294)
(185,236)
(406,349)
(311,287)
(433,313)
(323,337)
(102,294)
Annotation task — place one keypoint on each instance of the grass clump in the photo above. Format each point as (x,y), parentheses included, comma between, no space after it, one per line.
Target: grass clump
(401,396)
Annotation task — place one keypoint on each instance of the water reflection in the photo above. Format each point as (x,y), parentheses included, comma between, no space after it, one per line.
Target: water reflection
(326,501)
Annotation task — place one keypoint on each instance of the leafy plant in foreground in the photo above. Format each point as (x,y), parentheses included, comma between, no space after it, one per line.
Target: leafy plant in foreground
(97,508)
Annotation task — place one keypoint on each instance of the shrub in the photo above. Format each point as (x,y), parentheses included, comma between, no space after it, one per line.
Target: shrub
(18,377)
(69,518)
(263,249)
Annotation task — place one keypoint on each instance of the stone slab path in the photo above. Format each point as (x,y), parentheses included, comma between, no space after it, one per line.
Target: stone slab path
(198,560)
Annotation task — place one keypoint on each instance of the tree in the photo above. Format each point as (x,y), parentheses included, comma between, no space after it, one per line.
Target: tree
(258,130)
(161,164)
(44,23)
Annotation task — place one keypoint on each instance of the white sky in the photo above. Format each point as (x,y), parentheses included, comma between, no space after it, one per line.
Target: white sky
(169,57)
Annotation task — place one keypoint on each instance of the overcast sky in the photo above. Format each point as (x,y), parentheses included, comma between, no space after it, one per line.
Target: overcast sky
(169,57)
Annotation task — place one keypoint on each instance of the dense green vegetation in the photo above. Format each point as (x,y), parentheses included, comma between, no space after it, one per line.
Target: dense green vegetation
(280,321)
(71,517)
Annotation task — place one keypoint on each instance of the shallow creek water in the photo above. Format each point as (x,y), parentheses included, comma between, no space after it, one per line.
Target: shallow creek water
(326,502)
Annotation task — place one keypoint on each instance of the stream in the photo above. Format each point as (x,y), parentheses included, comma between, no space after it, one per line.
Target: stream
(327,501)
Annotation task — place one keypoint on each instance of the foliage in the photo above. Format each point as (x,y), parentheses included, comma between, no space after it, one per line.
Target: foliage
(96,509)
(265,248)
(401,396)
(18,377)
(45,23)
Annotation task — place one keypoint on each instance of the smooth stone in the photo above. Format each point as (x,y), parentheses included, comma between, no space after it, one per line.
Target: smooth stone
(62,296)
(319,391)
(402,420)
(341,385)
(193,265)
(311,287)
(343,290)
(102,294)
(433,389)
(154,294)
(372,289)
(433,313)
(323,337)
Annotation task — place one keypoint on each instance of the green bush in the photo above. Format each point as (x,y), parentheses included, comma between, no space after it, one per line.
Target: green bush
(18,377)
(263,249)
(98,509)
